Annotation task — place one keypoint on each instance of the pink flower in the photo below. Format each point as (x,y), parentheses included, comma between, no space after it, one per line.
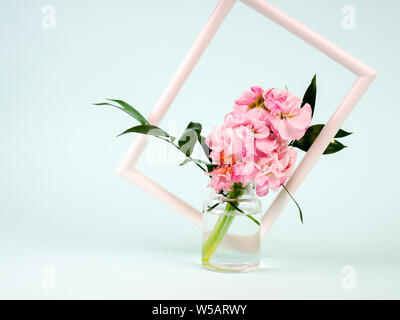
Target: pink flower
(285,115)
(252,145)
(244,172)
(221,178)
(275,169)
(228,144)
(265,140)
(249,97)
(232,149)
(238,117)
(257,121)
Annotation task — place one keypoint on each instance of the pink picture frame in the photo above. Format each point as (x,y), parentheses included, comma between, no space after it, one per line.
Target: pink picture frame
(364,77)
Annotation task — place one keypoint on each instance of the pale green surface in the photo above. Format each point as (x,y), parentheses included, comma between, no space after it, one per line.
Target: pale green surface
(61,204)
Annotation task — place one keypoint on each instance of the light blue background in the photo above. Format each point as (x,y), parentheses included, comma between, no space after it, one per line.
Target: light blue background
(61,205)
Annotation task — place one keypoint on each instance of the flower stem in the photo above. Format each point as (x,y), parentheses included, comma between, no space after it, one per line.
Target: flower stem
(223,223)
(217,234)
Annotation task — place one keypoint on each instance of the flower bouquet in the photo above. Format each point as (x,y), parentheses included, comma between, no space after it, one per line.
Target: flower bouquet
(253,152)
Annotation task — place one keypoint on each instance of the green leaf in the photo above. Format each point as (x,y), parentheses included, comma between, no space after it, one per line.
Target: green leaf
(341,134)
(187,160)
(297,205)
(126,108)
(312,133)
(309,137)
(334,147)
(183,140)
(311,94)
(210,167)
(146,129)
(201,139)
(205,147)
(187,141)
(196,127)
(189,137)
(235,205)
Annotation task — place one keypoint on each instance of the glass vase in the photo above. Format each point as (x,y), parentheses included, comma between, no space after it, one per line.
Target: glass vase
(231,231)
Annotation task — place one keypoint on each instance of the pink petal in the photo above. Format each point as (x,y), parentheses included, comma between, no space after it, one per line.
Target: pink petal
(303,118)
(262,191)
(246,98)
(262,133)
(265,145)
(257,90)
(286,131)
(274,182)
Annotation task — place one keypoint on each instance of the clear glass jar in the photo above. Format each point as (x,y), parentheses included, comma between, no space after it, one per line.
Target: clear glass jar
(231,231)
